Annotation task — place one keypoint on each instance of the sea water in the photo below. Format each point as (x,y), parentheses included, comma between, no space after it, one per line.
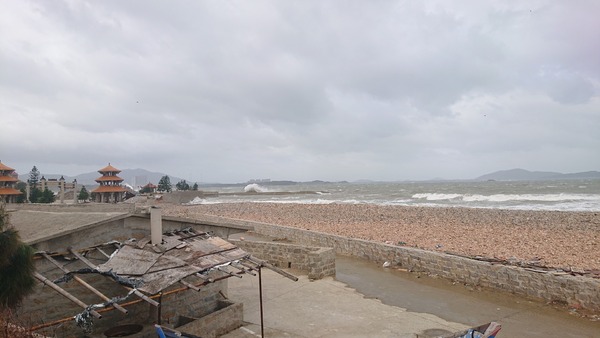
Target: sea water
(566,195)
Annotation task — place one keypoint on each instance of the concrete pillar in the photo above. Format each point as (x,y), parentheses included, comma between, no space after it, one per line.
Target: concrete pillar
(75,192)
(155,225)
(61,184)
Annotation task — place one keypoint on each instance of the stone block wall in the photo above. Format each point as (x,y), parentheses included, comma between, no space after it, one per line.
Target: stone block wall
(190,303)
(45,305)
(318,261)
(226,318)
(83,207)
(564,289)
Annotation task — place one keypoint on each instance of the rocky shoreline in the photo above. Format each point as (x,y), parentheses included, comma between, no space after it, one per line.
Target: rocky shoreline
(559,239)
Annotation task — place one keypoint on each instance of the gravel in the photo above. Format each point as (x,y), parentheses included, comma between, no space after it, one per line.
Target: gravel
(556,238)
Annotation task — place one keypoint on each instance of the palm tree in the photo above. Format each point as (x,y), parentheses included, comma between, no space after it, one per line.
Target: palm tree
(16,265)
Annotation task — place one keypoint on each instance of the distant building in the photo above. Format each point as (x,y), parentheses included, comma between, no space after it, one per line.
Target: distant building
(110,189)
(8,194)
(149,188)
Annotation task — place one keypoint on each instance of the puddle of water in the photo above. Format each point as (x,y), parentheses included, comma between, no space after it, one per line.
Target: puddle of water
(455,302)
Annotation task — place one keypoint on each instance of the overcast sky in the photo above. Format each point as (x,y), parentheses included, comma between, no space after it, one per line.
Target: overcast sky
(227,91)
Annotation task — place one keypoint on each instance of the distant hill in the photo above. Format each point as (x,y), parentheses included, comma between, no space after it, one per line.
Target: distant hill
(526,175)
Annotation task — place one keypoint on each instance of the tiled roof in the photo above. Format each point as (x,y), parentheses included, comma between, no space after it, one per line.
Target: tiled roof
(9,191)
(109,188)
(5,167)
(109,178)
(109,168)
(8,179)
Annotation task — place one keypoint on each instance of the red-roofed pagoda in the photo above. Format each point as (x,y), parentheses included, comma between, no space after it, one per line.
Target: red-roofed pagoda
(110,189)
(8,193)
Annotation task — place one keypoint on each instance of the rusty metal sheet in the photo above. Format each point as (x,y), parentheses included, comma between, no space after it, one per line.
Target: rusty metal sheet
(235,254)
(167,261)
(201,248)
(170,242)
(160,280)
(130,261)
(220,243)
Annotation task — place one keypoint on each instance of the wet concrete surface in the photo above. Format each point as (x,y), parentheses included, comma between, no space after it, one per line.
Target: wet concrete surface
(324,308)
(519,316)
(456,303)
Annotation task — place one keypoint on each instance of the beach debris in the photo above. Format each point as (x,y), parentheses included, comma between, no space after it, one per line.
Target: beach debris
(387,264)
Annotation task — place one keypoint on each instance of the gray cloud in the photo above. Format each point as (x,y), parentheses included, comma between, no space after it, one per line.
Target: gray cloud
(227,91)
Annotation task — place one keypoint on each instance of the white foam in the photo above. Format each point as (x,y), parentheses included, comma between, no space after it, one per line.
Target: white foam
(255,188)
(436,196)
(531,197)
(197,200)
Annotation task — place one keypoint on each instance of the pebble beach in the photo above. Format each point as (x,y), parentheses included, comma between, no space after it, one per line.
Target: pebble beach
(558,239)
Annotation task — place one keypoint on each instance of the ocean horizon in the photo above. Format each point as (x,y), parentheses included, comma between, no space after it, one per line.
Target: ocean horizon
(562,195)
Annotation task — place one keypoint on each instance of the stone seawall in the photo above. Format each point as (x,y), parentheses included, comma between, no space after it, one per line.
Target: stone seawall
(564,289)
(319,262)
(81,207)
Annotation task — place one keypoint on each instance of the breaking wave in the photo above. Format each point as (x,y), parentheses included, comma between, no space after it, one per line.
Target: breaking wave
(255,188)
(508,197)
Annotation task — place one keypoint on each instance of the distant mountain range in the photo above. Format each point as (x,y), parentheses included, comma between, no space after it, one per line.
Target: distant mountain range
(140,177)
(526,175)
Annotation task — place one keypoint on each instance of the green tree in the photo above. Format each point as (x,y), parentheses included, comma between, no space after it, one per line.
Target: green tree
(146,189)
(34,177)
(182,185)
(34,195)
(47,196)
(21,186)
(164,185)
(16,265)
(195,187)
(83,195)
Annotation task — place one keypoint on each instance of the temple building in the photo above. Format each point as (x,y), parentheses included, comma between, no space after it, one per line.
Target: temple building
(110,189)
(8,179)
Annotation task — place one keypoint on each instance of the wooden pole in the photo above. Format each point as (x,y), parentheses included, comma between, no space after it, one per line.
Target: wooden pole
(262,324)
(70,297)
(85,284)
(272,267)
(91,265)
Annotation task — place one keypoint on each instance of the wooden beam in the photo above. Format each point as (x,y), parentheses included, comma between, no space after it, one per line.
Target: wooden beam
(67,295)
(272,267)
(85,284)
(91,265)
(83,259)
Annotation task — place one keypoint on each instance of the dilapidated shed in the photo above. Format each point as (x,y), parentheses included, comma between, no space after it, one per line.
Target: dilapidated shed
(175,278)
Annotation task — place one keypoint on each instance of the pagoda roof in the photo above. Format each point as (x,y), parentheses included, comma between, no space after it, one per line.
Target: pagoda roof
(109,169)
(109,188)
(109,179)
(8,179)
(4,167)
(9,191)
